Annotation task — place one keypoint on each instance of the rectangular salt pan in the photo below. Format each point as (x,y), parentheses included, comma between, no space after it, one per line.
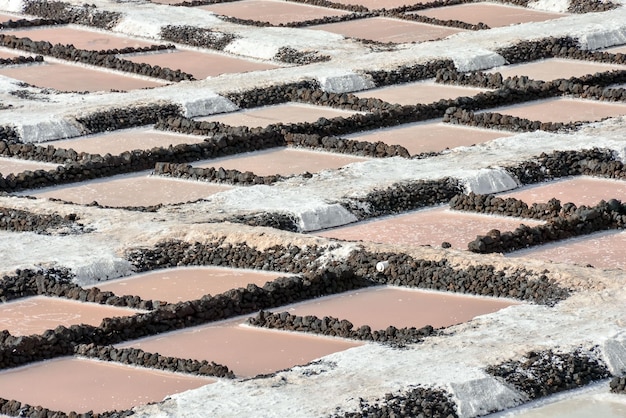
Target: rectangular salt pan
(81,385)
(34,315)
(66,77)
(282,113)
(423,92)
(283,161)
(603,250)
(431,136)
(381,307)
(382,29)
(14,165)
(91,40)
(493,15)
(131,190)
(274,12)
(200,64)
(555,68)
(247,351)
(119,141)
(426,227)
(182,284)
(581,190)
(563,110)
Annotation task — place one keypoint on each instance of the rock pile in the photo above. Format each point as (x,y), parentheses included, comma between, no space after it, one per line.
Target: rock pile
(416,402)
(87,14)
(618,385)
(546,372)
(140,358)
(343,328)
(17,220)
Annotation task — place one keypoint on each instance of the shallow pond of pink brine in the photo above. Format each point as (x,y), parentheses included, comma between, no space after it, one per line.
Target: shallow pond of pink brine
(14,166)
(381,307)
(283,161)
(491,14)
(555,68)
(430,136)
(580,190)
(563,110)
(182,284)
(274,12)
(90,40)
(132,190)
(384,29)
(81,385)
(423,92)
(247,351)
(76,78)
(602,250)
(119,141)
(281,113)
(200,64)
(426,227)
(34,315)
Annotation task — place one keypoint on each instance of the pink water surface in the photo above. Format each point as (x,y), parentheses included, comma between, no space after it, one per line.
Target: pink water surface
(246,350)
(34,315)
(426,227)
(581,190)
(384,29)
(283,161)
(180,284)
(81,385)
(430,136)
(419,92)
(381,307)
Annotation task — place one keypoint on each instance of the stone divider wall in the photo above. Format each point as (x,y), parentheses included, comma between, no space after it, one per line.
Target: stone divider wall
(216,175)
(127,117)
(18,409)
(18,220)
(58,283)
(105,59)
(485,280)
(31,23)
(543,373)
(495,120)
(583,221)
(402,197)
(20,60)
(87,14)
(335,327)
(141,358)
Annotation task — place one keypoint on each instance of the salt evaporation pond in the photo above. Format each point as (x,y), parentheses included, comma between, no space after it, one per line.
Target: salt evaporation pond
(580,190)
(139,189)
(429,136)
(36,314)
(563,110)
(182,284)
(603,250)
(81,385)
(426,227)
(282,113)
(491,14)
(421,92)
(122,140)
(200,64)
(247,351)
(381,307)
(283,161)
(383,29)
(555,68)
(79,36)
(15,165)
(274,12)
